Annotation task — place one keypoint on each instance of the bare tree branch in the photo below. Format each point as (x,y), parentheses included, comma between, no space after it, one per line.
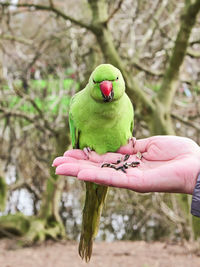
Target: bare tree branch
(24,184)
(51,8)
(193,53)
(194,42)
(32,119)
(186,121)
(147,70)
(114,11)
(171,76)
(51,3)
(15,38)
(36,107)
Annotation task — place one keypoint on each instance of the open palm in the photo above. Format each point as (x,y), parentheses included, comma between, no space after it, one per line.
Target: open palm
(168,164)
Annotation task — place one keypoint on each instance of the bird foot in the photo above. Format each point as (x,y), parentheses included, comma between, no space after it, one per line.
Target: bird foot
(87,151)
(131,141)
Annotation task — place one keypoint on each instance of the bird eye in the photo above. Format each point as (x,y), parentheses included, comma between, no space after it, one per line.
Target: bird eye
(117,78)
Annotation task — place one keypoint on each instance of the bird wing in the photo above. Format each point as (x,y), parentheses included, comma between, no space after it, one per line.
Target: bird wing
(74,132)
(132,125)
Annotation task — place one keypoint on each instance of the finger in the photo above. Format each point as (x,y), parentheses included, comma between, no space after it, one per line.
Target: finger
(72,169)
(107,177)
(108,157)
(114,178)
(93,156)
(60,160)
(76,153)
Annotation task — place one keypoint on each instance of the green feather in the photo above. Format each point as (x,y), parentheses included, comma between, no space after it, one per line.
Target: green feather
(104,127)
(73,132)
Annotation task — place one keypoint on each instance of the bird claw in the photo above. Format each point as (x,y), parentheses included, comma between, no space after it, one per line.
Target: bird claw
(132,141)
(87,151)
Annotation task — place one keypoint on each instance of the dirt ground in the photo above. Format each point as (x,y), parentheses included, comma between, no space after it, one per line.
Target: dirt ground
(116,254)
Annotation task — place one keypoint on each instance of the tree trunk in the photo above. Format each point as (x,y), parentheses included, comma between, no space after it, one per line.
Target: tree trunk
(3,193)
(48,223)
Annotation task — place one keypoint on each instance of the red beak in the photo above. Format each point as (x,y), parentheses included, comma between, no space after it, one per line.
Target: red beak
(106,87)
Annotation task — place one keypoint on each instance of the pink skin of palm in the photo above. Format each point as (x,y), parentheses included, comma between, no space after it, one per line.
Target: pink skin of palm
(168,164)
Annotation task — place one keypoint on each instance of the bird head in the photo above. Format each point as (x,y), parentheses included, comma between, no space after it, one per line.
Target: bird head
(106,83)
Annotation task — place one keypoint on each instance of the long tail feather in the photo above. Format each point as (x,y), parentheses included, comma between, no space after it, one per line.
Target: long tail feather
(95,198)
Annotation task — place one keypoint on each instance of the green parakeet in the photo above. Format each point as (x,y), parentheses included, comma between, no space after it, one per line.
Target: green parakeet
(101,118)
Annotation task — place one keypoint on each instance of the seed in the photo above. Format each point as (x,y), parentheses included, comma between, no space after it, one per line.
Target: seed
(118,161)
(125,165)
(120,168)
(123,170)
(139,155)
(126,157)
(105,165)
(135,162)
(112,166)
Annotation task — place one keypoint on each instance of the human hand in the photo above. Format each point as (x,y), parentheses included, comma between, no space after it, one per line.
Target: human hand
(168,164)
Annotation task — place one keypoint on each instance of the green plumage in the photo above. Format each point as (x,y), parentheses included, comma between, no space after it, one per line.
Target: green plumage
(104,127)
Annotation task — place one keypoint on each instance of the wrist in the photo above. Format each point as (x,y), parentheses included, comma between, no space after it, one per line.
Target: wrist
(195,206)
(196,171)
